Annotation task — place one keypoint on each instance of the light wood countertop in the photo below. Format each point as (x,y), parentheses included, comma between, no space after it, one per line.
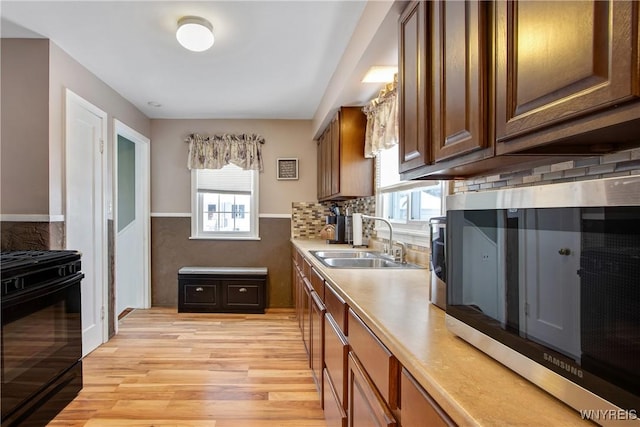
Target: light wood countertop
(470,386)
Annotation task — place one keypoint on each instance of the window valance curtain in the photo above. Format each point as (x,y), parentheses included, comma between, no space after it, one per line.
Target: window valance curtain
(215,152)
(382,121)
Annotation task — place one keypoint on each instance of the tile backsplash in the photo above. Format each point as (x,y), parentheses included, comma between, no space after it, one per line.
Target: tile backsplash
(308,218)
(622,163)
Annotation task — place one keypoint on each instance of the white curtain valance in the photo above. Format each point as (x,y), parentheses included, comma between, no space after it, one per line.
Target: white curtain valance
(382,121)
(215,152)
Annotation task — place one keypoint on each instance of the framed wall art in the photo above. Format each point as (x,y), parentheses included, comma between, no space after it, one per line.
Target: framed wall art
(287,168)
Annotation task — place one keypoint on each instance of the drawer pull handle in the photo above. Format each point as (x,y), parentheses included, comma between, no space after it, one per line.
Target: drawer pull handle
(243,290)
(199,289)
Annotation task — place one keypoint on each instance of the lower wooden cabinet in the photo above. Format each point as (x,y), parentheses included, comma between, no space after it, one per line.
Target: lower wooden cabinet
(359,381)
(367,408)
(334,413)
(417,408)
(307,290)
(317,340)
(378,361)
(336,350)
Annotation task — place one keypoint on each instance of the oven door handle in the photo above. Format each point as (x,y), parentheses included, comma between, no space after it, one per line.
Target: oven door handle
(46,288)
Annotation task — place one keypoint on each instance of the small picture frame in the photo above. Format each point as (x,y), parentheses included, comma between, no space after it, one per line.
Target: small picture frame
(287,168)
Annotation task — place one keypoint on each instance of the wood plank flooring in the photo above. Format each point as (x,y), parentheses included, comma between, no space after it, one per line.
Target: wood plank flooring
(213,370)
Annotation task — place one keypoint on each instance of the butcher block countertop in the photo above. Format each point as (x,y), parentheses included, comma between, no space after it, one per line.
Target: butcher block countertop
(470,386)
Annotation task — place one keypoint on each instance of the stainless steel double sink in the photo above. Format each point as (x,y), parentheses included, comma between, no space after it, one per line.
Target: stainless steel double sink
(358,259)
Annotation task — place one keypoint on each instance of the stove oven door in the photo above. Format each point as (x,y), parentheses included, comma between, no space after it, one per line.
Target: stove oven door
(41,348)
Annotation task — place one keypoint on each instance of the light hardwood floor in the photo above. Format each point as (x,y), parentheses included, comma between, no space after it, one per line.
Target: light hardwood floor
(214,370)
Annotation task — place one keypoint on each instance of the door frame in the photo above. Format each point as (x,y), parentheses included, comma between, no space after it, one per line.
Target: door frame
(102,221)
(143,162)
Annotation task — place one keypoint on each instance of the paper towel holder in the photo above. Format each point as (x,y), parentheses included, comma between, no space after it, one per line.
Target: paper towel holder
(356,232)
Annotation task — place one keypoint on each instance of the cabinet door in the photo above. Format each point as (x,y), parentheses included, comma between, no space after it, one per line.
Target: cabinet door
(334,414)
(299,295)
(317,341)
(380,363)
(324,164)
(334,174)
(320,171)
(337,307)
(460,77)
(306,315)
(413,89)
(366,407)
(417,408)
(318,283)
(336,350)
(562,60)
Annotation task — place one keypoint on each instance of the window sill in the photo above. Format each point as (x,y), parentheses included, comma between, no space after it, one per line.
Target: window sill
(411,237)
(223,238)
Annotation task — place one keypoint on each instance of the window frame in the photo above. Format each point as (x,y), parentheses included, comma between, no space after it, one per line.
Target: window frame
(410,231)
(198,212)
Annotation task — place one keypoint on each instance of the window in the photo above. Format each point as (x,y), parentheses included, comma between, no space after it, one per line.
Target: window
(407,204)
(224,203)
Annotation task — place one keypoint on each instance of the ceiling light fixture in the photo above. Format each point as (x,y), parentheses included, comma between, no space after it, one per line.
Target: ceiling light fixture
(380,74)
(195,33)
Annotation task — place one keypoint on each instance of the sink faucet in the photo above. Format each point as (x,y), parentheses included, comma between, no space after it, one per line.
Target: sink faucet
(389,251)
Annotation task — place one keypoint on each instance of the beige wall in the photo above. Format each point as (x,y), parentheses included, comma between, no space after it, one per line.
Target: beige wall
(35,75)
(171,249)
(24,179)
(66,72)
(171,180)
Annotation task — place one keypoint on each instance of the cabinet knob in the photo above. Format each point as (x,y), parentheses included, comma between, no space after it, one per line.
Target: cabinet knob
(243,290)
(565,251)
(199,289)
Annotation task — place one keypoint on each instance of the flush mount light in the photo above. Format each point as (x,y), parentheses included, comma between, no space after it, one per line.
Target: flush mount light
(380,74)
(195,33)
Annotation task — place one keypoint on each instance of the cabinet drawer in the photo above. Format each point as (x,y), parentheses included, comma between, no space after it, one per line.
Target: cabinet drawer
(317,340)
(298,258)
(306,268)
(336,307)
(336,350)
(417,408)
(246,295)
(380,364)
(200,293)
(367,407)
(318,283)
(334,414)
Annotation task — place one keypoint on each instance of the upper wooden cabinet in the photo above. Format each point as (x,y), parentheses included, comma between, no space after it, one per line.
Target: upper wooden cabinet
(493,86)
(343,171)
(413,90)
(564,68)
(460,78)
(444,94)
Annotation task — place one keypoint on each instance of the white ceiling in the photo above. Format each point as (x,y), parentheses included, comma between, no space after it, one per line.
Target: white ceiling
(271,59)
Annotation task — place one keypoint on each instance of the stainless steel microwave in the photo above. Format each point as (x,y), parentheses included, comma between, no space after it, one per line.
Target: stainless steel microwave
(546,280)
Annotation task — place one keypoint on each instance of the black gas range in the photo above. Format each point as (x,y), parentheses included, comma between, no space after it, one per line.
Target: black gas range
(41,334)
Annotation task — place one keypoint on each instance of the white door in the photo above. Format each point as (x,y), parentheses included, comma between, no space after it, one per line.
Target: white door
(131,219)
(552,284)
(85,211)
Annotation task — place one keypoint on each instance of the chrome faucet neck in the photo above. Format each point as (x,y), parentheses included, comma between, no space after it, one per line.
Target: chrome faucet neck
(389,250)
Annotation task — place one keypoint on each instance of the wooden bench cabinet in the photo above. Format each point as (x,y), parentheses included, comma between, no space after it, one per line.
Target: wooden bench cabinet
(222,289)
